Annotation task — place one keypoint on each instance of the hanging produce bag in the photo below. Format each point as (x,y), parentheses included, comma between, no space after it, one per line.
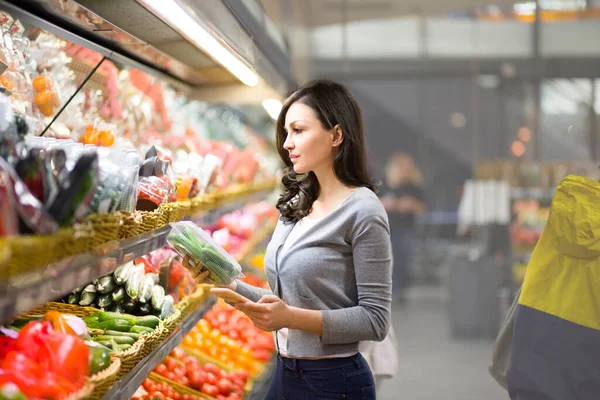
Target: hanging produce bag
(556,337)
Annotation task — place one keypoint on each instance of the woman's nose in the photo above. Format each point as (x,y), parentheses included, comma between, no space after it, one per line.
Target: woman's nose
(288,144)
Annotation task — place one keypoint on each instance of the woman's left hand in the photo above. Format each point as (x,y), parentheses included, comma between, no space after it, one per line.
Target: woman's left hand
(270,313)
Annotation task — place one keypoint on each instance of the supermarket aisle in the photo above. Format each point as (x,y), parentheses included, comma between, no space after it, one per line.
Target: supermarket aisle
(433,367)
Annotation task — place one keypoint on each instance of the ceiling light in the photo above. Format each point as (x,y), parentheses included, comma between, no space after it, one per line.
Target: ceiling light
(172,13)
(273,107)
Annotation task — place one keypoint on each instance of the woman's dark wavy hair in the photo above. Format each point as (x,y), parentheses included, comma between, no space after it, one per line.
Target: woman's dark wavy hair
(333,105)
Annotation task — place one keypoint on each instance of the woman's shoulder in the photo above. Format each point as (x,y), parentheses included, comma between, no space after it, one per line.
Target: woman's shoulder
(365,203)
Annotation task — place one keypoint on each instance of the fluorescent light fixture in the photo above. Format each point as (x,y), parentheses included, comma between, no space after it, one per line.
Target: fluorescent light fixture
(172,13)
(273,107)
(527,8)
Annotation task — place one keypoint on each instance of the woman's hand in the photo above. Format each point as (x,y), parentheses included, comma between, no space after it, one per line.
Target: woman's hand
(200,273)
(270,313)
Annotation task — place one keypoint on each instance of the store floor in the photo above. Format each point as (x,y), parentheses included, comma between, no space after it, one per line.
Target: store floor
(432,365)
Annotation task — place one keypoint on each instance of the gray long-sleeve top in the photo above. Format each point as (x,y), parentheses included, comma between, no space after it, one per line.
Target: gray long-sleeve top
(342,266)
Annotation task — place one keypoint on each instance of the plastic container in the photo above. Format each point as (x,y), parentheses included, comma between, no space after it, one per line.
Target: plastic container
(188,240)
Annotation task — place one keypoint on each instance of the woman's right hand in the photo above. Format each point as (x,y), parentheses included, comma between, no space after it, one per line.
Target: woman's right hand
(200,273)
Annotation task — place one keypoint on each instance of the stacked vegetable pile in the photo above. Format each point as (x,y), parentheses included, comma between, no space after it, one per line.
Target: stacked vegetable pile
(119,332)
(127,290)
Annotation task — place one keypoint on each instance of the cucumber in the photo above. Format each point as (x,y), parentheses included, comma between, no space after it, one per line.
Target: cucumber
(145,309)
(133,283)
(107,316)
(129,305)
(116,307)
(141,330)
(126,334)
(74,298)
(120,325)
(105,343)
(106,284)
(123,347)
(77,290)
(92,319)
(117,339)
(105,300)
(118,294)
(168,307)
(121,274)
(149,320)
(158,297)
(145,289)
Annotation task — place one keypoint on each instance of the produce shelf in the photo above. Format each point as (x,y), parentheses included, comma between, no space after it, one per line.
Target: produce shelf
(36,286)
(127,386)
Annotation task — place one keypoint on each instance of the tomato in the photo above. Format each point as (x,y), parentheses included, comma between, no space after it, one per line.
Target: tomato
(170,363)
(179,371)
(233,334)
(211,378)
(160,369)
(178,353)
(170,375)
(156,395)
(209,389)
(224,386)
(210,367)
(184,380)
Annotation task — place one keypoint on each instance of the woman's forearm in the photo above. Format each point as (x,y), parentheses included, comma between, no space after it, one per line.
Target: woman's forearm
(306,320)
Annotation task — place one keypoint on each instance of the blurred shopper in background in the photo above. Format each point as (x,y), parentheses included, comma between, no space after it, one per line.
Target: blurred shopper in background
(403,197)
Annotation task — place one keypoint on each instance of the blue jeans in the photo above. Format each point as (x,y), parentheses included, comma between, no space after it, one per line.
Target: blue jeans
(347,378)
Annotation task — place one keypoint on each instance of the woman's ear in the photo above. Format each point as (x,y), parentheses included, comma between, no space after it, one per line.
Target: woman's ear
(338,136)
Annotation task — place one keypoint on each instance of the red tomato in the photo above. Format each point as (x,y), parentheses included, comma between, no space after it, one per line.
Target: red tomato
(178,353)
(234,396)
(160,369)
(157,395)
(210,390)
(170,363)
(224,386)
(211,378)
(221,397)
(209,367)
(179,371)
(170,375)
(244,375)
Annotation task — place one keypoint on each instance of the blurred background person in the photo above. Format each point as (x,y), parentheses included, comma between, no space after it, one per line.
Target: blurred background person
(403,197)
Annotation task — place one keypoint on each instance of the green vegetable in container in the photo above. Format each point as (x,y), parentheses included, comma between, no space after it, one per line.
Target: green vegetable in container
(145,289)
(158,297)
(129,305)
(149,320)
(88,295)
(74,298)
(121,274)
(144,309)
(133,283)
(116,307)
(99,359)
(168,307)
(118,294)
(105,300)
(110,316)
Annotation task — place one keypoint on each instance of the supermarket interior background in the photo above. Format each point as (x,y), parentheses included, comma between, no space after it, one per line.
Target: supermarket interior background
(120,117)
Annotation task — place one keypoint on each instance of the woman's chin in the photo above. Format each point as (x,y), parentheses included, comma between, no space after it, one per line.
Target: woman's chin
(299,170)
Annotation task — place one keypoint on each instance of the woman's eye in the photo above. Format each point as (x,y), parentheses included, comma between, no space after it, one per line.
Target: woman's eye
(297,130)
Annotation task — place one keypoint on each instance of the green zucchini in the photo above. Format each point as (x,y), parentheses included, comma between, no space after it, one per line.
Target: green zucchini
(74,298)
(133,283)
(149,320)
(106,284)
(123,347)
(121,274)
(118,294)
(87,298)
(168,307)
(158,296)
(99,359)
(105,343)
(116,307)
(144,309)
(129,305)
(105,300)
(117,339)
(145,289)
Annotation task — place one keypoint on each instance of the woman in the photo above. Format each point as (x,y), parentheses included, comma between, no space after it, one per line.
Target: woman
(329,261)
(403,198)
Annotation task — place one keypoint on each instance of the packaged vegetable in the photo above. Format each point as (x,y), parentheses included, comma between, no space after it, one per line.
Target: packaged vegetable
(152,192)
(145,289)
(133,283)
(191,241)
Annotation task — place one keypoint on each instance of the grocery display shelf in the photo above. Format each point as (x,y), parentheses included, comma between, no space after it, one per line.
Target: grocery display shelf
(126,387)
(29,289)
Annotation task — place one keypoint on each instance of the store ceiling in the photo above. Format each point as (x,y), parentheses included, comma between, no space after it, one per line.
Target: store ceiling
(325,12)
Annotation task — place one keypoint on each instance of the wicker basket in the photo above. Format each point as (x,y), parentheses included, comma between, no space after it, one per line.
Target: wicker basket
(83,393)
(131,225)
(192,301)
(175,212)
(152,340)
(103,380)
(130,357)
(171,324)
(30,252)
(177,387)
(105,228)
(152,220)
(79,311)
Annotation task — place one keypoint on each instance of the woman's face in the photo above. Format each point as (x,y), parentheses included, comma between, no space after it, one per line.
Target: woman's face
(309,144)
